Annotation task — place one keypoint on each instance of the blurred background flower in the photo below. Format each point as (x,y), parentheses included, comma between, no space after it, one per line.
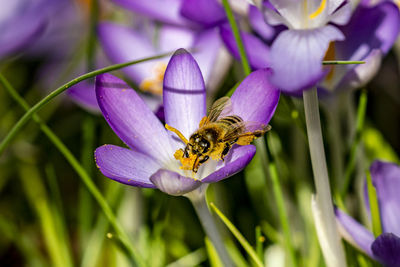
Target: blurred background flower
(386,247)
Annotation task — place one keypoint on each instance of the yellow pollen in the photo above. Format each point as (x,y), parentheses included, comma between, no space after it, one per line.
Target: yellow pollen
(319,10)
(154,84)
(398,3)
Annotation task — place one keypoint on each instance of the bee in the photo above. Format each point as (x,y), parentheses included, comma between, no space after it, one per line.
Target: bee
(217,133)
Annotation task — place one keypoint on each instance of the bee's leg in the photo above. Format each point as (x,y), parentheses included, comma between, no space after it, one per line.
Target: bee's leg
(246,139)
(204,159)
(178,133)
(196,165)
(225,151)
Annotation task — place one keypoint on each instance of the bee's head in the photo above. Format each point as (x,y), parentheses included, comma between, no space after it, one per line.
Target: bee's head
(197,145)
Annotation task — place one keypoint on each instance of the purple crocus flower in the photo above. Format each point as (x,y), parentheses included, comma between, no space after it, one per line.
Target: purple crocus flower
(386,247)
(297,53)
(149,161)
(369,35)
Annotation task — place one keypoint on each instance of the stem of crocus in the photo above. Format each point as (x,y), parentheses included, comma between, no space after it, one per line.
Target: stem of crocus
(31,111)
(198,200)
(333,249)
(91,186)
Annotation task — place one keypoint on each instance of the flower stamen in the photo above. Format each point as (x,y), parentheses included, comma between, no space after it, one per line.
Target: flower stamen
(319,10)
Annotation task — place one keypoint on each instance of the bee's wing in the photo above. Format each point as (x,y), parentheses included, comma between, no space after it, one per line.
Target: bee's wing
(219,108)
(245,128)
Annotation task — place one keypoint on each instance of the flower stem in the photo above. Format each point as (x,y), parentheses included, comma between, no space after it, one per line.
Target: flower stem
(18,126)
(209,226)
(124,239)
(323,193)
(236,33)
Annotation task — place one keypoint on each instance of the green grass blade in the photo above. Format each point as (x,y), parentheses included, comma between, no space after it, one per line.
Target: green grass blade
(238,39)
(238,235)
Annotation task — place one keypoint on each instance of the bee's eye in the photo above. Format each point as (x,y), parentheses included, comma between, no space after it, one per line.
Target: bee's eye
(204,144)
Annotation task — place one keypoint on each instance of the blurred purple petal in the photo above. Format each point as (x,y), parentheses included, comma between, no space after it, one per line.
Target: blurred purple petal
(84,94)
(354,232)
(172,38)
(259,25)
(131,119)
(205,12)
(172,183)
(370,28)
(167,11)
(236,160)
(207,46)
(255,99)
(184,93)
(126,166)
(386,179)
(257,52)
(342,15)
(122,44)
(20,31)
(296,57)
(386,249)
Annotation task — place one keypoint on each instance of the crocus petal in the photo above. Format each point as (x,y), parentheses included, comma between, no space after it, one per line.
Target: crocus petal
(122,44)
(171,38)
(126,166)
(386,249)
(236,160)
(386,179)
(184,93)
(172,183)
(167,11)
(131,119)
(354,232)
(258,53)
(205,12)
(370,28)
(85,95)
(255,99)
(258,24)
(342,15)
(296,57)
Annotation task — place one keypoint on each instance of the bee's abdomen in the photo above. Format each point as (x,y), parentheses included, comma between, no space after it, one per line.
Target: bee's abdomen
(230,123)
